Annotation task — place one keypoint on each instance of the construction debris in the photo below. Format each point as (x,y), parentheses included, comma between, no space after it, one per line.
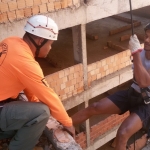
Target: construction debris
(123,19)
(127,37)
(115,46)
(92,37)
(124,28)
(105,47)
(60,139)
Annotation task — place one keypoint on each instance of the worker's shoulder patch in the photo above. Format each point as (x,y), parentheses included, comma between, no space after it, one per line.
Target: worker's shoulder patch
(45,82)
(3,52)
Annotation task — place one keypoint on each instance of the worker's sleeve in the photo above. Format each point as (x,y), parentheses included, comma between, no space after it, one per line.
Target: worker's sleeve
(31,97)
(31,76)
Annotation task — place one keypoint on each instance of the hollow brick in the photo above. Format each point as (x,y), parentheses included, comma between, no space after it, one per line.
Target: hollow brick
(35,10)
(27,12)
(20,14)
(50,6)
(3,7)
(57,5)
(11,16)
(12,5)
(29,3)
(3,17)
(21,4)
(43,8)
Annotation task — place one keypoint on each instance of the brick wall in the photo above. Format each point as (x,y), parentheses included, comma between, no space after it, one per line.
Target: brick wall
(11,10)
(108,65)
(101,128)
(69,82)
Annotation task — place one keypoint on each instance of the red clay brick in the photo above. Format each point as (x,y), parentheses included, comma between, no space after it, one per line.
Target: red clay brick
(44,1)
(64,3)
(69,83)
(125,37)
(20,14)
(43,8)
(55,76)
(57,5)
(76,74)
(70,77)
(3,7)
(75,2)
(77,67)
(121,29)
(73,81)
(29,3)
(66,71)
(27,12)
(3,18)
(61,74)
(6,0)
(50,6)
(69,2)
(123,19)
(61,92)
(63,97)
(36,2)
(21,4)
(11,16)
(66,90)
(12,5)
(64,79)
(35,10)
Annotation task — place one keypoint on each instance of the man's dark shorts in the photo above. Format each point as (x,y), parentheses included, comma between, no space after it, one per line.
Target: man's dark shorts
(122,100)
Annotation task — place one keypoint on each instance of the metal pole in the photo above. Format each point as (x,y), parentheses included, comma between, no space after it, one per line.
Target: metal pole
(131,17)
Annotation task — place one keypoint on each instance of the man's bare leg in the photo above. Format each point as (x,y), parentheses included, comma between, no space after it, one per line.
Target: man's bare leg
(130,125)
(104,106)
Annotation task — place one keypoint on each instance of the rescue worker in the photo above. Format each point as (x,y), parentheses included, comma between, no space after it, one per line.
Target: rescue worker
(136,99)
(22,121)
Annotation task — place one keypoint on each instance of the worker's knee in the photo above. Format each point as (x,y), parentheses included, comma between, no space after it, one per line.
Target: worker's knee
(95,108)
(42,108)
(123,133)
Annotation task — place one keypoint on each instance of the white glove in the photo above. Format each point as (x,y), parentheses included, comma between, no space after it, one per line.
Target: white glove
(134,44)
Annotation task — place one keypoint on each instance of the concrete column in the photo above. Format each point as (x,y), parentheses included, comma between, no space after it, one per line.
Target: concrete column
(80,51)
(80,56)
(87,124)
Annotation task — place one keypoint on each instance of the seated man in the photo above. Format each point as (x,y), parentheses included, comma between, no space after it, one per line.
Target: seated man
(22,121)
(131,99)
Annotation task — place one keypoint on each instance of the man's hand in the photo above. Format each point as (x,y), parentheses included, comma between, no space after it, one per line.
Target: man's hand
(70,130)
(134,44)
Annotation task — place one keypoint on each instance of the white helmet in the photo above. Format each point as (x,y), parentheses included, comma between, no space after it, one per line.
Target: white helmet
(42,26)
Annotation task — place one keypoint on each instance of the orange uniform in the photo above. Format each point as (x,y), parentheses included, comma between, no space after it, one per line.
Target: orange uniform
(19,71)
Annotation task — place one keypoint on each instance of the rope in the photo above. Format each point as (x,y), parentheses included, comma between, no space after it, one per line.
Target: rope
(131,17)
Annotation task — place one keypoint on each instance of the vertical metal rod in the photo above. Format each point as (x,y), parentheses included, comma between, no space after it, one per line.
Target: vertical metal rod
(131,17)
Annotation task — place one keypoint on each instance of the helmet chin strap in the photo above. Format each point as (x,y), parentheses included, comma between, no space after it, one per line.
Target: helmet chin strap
(37,46)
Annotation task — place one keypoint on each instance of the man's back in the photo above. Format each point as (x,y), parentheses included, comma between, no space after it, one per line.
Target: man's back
(14,54)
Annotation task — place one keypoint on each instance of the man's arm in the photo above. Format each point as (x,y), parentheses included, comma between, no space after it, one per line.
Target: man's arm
(141,74)
(31,97)
(31,76)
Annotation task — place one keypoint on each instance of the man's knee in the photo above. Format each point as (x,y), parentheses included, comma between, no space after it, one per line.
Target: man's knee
(44,109)
(124,133)
(95,108)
